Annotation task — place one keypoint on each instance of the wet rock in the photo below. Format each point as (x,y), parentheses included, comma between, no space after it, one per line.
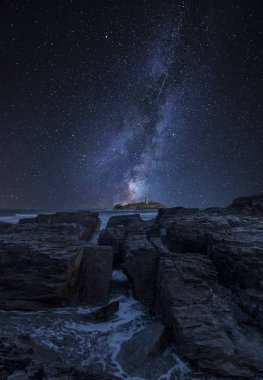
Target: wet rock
(46,265)
(135,352)
(23,360)
(58,371)
(205,323)
(104,313)
(94,373)
(141,267)
(61,371)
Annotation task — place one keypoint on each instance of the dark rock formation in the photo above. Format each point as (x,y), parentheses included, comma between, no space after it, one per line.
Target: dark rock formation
(21,359)
(252,205)
(5,226)
(201,270)
(94,276)
(45,265)
(118,227)
(207,327)
(113,237)
(209,290)
(126,235)
(139,350)
(88,220)
(131,223)
(141,267)
(234,244)
(104,313)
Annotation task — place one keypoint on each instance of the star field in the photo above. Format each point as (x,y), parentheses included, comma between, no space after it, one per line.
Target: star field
(111,101)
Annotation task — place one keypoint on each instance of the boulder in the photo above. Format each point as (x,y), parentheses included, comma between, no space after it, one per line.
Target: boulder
(141,267)
(131,223)
(137,351)
(94,276)
(235,245)
(47,265)
(104,313)
(117,229)
(207,327)
(167,215)
(113,237)
(251,205)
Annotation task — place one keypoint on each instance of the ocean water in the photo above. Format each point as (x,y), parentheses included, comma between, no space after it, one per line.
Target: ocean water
(67,331)
(13,216)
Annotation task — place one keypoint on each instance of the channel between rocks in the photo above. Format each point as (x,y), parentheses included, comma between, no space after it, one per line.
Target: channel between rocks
(158,296)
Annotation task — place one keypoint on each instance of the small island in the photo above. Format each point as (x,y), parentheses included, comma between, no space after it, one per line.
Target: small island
(146,205)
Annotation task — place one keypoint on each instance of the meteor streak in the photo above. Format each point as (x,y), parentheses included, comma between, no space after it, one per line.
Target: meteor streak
(162,86)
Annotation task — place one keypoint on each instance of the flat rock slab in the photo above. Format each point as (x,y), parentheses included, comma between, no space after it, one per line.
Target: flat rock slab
(87,219)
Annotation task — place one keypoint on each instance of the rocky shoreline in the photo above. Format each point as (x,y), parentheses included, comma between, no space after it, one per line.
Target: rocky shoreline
(198,273)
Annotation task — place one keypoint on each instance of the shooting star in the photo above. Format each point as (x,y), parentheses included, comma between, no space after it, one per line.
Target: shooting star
(162,86)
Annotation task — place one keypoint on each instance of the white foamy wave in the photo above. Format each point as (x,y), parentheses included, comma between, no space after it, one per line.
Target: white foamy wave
(118,275)
(69,332)
(180,370)
(15,218)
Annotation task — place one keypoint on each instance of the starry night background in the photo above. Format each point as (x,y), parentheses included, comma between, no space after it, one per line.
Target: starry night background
(111,101)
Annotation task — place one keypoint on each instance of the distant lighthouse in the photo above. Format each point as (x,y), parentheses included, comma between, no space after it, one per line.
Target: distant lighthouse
(145,200)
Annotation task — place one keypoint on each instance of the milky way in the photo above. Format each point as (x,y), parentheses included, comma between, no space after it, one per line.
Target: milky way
(115,101)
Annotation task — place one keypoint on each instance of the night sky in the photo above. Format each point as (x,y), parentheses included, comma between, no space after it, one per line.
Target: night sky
(111,101)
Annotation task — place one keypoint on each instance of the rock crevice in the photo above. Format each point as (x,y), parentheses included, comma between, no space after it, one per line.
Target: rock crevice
(202,271)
